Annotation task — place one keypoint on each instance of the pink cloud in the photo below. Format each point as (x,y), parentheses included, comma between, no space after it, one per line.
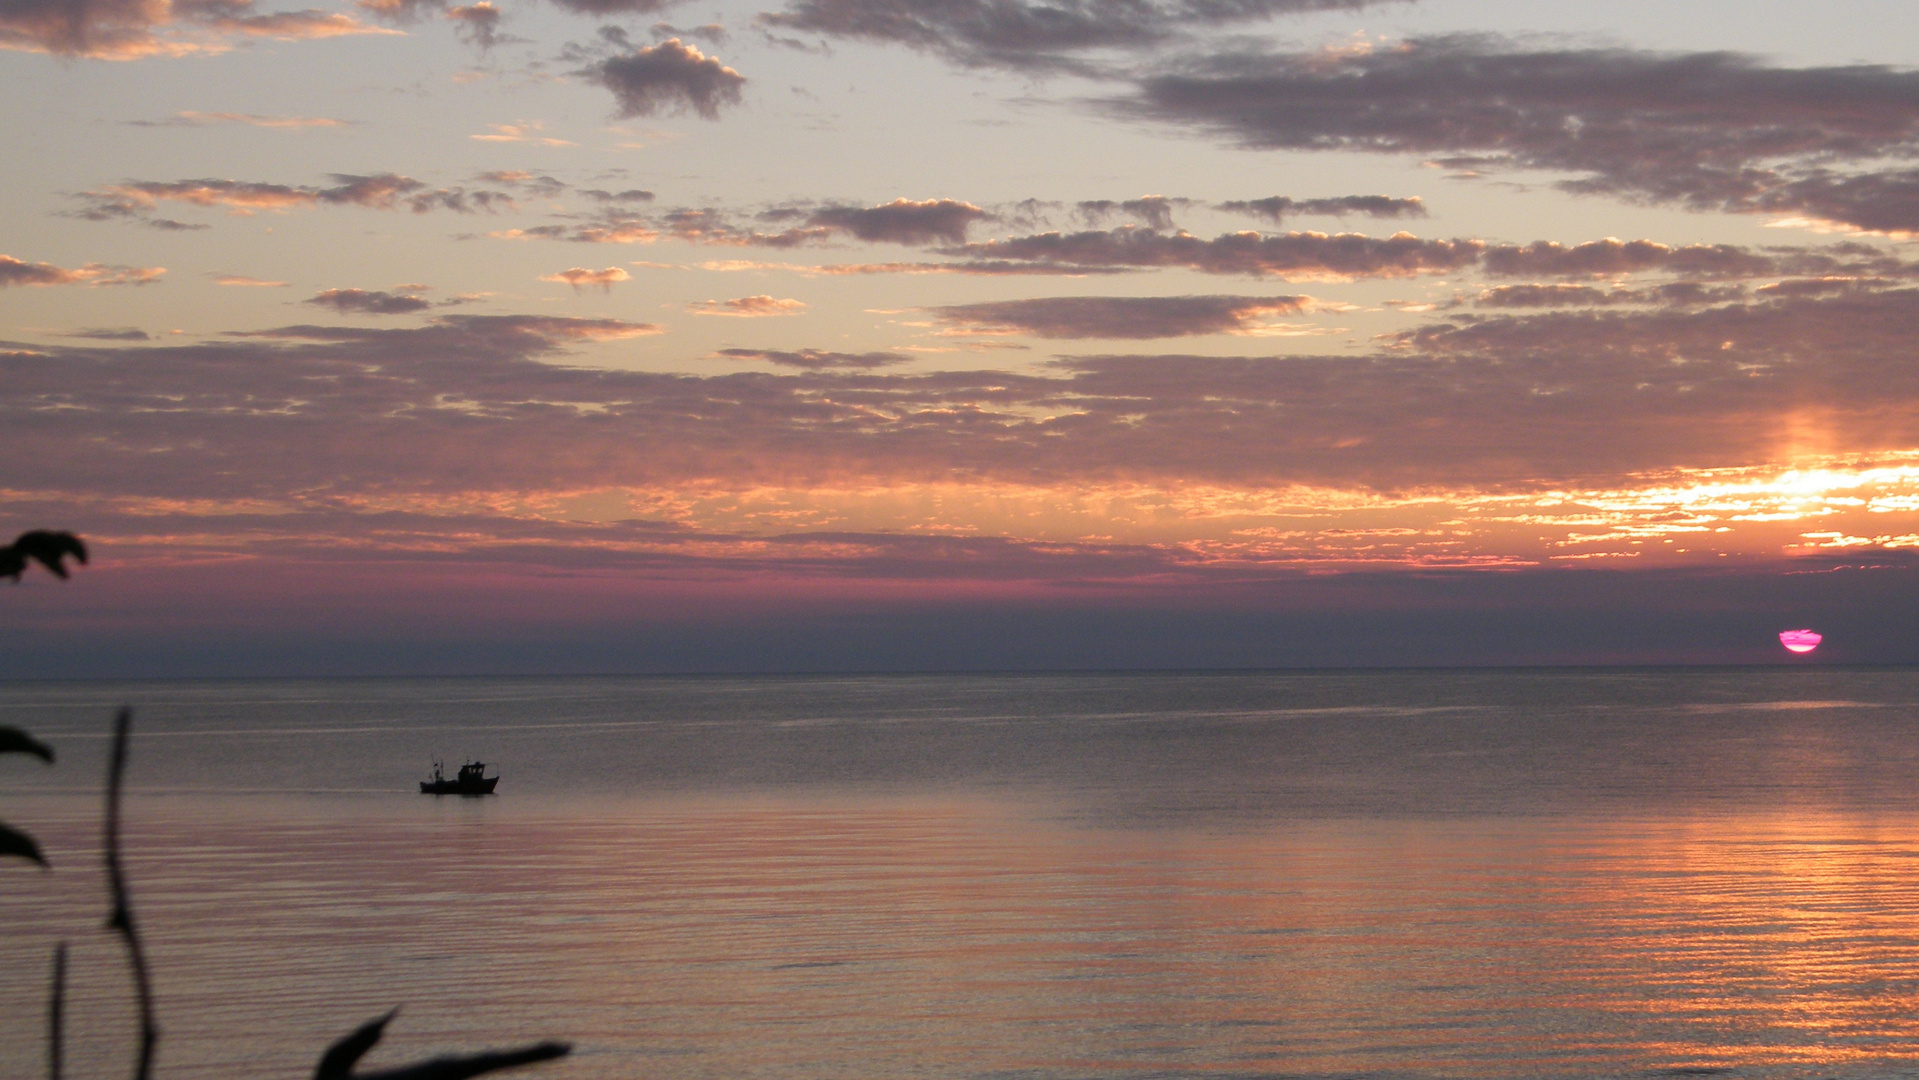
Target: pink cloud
(748,307)
(581,278)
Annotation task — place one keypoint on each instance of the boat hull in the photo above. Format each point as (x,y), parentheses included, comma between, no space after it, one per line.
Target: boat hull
(457,787)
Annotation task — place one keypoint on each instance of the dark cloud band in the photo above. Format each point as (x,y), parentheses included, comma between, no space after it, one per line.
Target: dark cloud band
(1119,317)
(1024,34)
(1289,255)
(1491,402)
(1713,131)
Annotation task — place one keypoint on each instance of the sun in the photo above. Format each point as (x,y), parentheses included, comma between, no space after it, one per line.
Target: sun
(1800,641)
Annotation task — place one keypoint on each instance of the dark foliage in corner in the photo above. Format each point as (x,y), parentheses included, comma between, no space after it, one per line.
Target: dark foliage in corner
(13,841)
(49,549)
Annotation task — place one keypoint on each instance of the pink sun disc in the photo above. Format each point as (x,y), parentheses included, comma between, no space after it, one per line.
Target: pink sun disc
(1800,641)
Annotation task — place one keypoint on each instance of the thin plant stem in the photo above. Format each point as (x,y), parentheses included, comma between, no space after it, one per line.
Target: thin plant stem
(122,918)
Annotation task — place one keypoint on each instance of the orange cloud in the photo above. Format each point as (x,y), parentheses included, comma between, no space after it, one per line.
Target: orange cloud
(580,277)
(134,29)
(19,272)
(747,307)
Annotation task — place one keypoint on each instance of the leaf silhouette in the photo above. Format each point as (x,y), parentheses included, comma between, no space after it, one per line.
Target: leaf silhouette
(49,549)
(339,1059)
(15,741)
(14,842)
(337,1063)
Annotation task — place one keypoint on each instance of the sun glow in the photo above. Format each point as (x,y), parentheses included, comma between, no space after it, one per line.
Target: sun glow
(1800,641)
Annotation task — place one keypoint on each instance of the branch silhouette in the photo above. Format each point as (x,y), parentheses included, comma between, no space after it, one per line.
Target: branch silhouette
(337,1063)
(49,549)
(122,918)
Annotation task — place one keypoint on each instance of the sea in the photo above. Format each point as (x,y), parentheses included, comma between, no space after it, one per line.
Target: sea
(1396,873)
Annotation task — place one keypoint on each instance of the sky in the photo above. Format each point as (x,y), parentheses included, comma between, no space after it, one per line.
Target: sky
(407,337)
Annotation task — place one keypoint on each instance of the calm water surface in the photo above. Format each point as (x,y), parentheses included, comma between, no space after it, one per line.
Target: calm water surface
(1408,874)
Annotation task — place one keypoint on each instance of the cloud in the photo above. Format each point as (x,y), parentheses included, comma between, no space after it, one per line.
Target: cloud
(980,269)
(712,33)
(1826,286)
(109,333)
(670,77)
(163,224)
(1886,201)
(120,200)
(608,8)
(747,307)
(247,282)
(17,272)
(135,199)
(1152,211)
(202,119)
(105,29)
(1278,207)
(402,11)
(1612,257)
(478,23)
(580,277)
(1294,256)
(629,195)
(466,446)
(536,184)
(487,408)
(132,29)
(477,336)
(541,333)
(903,221)
(546,232)
(1028,35)
(1707,131)
(526,131)
(1309,255)
(284,25)
(369,302)
(819,360)
(1678,293)
(1129,317)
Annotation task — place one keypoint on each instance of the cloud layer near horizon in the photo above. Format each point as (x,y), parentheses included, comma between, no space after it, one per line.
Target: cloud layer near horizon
(1486,403)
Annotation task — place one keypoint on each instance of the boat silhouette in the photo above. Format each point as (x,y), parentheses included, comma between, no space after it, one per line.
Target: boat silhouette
(470,780)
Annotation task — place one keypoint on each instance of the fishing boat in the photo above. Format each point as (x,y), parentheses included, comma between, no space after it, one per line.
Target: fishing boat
(470,780)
